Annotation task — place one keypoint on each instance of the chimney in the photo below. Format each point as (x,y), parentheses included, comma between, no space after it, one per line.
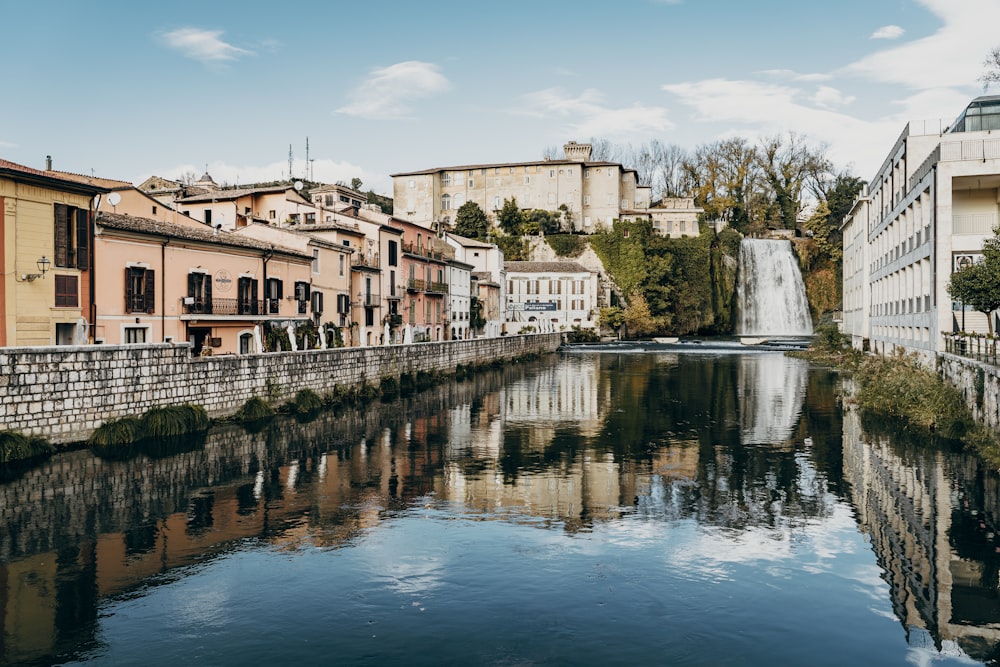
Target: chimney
(48,163)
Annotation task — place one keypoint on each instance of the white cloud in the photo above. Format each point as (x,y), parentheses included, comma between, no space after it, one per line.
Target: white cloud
(389,90)
(756,110)
(591,117)
(950,57)
(828,97)
(888,32)
(792,75)
(204,45)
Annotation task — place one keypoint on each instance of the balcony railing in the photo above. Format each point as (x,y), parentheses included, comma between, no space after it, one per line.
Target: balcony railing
(369,299)
(974,346)
(370,261)
(416,285)
(441,288)
(234,307)
(421,251)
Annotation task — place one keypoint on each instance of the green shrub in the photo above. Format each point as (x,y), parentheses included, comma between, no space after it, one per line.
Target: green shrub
(306,401)
(116,432)
(566,245)
(174,420)
(337,395)
(255,409)
(367,392)
(15,446)
(407,383)
(900,387)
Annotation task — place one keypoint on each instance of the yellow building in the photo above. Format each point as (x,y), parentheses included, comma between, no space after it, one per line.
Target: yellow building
(46,281)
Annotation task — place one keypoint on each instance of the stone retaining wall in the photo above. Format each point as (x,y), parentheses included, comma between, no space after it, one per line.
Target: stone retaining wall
(63,393)
(979,384)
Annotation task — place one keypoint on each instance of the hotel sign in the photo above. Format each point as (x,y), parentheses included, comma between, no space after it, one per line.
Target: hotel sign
(538,306)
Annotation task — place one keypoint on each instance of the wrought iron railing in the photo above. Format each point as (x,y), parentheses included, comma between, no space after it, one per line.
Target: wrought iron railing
(974,346)
(233,307)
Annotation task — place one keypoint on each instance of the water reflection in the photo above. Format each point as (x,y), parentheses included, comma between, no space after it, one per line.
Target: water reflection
(741,458)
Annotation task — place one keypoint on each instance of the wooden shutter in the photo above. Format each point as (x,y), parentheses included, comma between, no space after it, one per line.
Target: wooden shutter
(82,239)
(191,284)
(129,296)
(61,235)
(150,291)
(207,281)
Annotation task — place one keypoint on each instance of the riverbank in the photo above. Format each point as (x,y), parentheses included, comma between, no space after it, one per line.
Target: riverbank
(64,393)
(901,389)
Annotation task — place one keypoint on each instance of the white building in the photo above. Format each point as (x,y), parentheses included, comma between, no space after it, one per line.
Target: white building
(933,202)
(550,296)
(459,277)
(486,260)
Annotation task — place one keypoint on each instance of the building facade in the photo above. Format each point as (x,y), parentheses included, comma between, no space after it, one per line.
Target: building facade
(47,291)
(550,296)
(589,194)
(926,213)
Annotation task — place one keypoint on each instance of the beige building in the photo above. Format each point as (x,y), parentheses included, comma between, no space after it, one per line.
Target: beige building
(592,194)
(674,217)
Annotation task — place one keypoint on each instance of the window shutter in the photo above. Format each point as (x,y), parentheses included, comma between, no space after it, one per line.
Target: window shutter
(207,280)
(253,292)
(150,291)
(61,235)
(129,296)
(281,289)
(191,284)
(83,239)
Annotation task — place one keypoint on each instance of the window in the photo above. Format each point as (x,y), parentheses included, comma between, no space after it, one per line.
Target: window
(586,173)
(445,179)
(72,237)
(315,262)
(310,218)
(472,183)
(208,216)
(246,296)
(496,203)
(527,180)
(569,172)
(343,304)
(316,302)
(274,291)
(552,173)
(393,253)
(67,292)
(392,283)
(340,266)
(512,170)
(272,214)
(135,335)
(200,292)
(140,287)
(496,170)
(411,183)
(586,200)
(154,210)
(301,296)
(445,202)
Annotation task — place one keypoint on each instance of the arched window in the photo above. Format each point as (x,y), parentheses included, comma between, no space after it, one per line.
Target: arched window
(445,202)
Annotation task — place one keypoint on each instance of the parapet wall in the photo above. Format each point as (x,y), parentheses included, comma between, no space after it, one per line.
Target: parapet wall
(979,383)
(63,393)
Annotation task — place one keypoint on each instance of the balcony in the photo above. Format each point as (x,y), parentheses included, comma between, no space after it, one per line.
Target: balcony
(416,285)
(369,261)
(438,288)
(223,307)
(369,299)
(422,251)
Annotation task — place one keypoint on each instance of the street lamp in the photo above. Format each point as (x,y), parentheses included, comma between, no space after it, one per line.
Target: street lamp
(43,265)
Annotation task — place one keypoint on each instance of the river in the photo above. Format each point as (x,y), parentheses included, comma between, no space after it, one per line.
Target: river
(614,505)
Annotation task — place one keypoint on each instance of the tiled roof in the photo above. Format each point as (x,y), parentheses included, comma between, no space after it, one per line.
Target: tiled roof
(109,183)
(466,242)
(236,193)
(50,177)
(131,223)
(545,267)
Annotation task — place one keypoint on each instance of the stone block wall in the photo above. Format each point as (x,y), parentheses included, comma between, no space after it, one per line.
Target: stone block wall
(979,383)
(63,393)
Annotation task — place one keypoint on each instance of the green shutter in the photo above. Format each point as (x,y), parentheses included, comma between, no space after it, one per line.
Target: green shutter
(61,214)
(128,290)
(83,239)
(150,291)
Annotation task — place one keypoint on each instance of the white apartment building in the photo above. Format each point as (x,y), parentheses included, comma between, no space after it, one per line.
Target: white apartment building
(595,193)
(550,296)
(486,260)
(459,277)
(933,202)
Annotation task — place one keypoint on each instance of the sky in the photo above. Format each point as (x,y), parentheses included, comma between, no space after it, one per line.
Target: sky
(126,90)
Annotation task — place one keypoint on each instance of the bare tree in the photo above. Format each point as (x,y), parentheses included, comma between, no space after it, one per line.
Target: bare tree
(992,72)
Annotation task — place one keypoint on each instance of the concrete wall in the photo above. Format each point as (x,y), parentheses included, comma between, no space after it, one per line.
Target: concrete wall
(63,393)
(979,384)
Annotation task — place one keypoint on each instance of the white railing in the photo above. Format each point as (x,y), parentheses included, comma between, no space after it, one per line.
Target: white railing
(976,149)
(974,223)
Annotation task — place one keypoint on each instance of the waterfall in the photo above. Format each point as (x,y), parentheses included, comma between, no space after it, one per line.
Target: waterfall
(770,295)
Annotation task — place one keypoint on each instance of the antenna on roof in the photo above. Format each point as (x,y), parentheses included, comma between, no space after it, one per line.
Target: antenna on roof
(290,177)
(307,157)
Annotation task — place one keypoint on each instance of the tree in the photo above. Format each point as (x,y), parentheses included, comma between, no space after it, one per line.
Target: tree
(789,167)
(612,317)
(510,217)
(992,72)
(471,222)
(977,285)
(356,184)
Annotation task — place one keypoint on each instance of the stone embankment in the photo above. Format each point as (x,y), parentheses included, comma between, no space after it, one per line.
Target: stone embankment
(979,383)
(63,393)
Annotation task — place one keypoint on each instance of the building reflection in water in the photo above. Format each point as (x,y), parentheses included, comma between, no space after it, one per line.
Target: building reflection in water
(930,514)
(748,446)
